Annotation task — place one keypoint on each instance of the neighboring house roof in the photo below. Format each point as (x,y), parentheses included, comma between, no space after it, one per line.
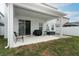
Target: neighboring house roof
(71,24)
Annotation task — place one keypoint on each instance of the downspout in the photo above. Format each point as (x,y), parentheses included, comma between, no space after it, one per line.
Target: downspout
(6,46)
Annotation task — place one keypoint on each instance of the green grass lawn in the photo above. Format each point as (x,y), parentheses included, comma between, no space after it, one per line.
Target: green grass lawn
(60,47)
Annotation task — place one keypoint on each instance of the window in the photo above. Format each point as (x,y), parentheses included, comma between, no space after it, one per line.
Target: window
(52,28)
(47,28)
(57,19)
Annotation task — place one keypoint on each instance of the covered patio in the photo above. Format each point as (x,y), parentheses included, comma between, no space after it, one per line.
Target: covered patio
(37,39)
(36,14)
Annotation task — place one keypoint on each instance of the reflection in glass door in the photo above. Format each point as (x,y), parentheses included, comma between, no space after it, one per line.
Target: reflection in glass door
(21,27)
(24,27)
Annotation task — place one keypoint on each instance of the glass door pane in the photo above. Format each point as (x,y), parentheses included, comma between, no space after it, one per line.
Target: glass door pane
(21,27)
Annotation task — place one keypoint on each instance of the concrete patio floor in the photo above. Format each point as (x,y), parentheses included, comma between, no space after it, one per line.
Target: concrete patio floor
(37,39)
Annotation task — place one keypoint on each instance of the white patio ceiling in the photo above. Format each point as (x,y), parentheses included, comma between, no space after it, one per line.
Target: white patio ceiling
(38,11)
(31,14)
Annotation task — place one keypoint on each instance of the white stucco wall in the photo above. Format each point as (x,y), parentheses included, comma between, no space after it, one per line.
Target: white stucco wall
(56,21)
(1,27)
(1,30)
(34,23)
(63,21)
(3,10)
(50,23)
(6,23)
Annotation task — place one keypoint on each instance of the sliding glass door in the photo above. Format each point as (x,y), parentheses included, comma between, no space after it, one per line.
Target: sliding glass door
(24,27)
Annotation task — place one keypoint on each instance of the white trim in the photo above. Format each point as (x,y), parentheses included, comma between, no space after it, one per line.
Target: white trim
(10,25)
(61,26)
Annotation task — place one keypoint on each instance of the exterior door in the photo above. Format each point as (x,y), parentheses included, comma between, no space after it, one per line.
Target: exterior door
(21,27)
(24,27)
(28,27)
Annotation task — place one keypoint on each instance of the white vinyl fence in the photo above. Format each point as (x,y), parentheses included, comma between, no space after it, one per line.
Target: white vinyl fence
(74,30)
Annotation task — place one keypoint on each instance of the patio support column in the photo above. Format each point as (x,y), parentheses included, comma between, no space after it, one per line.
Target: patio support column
(61,24)
(10,25)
